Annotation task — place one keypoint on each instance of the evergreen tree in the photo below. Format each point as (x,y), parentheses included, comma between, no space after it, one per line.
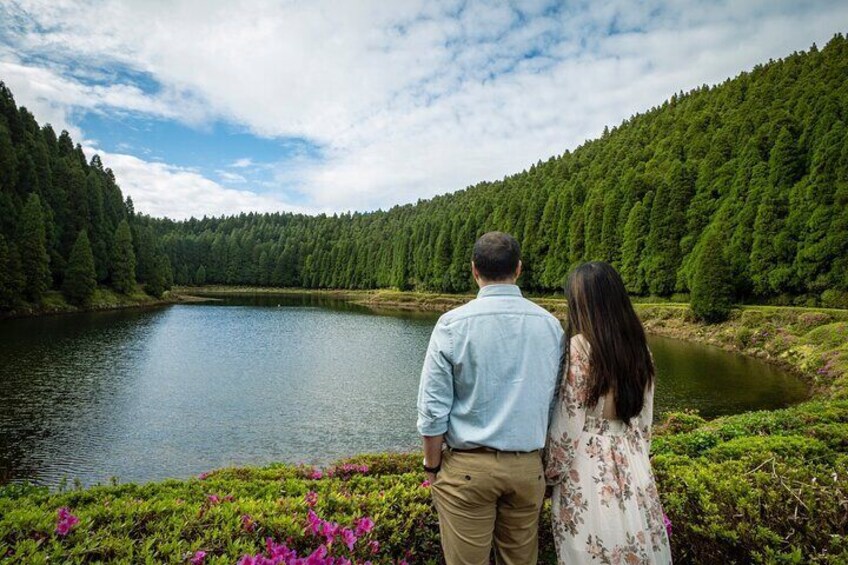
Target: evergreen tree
(80,277)
(8,160)
(33,249)
(663,241)
(785,164)
(155,285)
(7,294)
(123,260)
(768,271)
(11,276)
(166,271)
(635,232)
(712,291)
(200,276)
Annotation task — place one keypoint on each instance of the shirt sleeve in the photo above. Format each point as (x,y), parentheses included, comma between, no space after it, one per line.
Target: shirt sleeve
(435,391)
(569,415)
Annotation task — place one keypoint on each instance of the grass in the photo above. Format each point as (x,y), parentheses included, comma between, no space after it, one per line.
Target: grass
(53,302)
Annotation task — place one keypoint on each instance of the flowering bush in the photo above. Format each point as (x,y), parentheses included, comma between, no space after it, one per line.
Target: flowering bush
(328,533)
(357,516)
(65,522)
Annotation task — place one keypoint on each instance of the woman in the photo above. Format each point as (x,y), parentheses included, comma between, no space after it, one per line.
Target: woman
(605,506)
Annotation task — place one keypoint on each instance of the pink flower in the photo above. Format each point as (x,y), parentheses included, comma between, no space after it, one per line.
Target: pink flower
(330,530)
(204,476)
(65,521)
(373,546)
(317,557)
(349,537)
(316,474)
(425,484)
(364,525)
(213,499)
(279,552)
(247,523)
(315,523)
(311,498)
(198,558)
(667,524)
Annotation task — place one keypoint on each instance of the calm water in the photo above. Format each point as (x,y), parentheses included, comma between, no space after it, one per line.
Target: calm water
(172,392)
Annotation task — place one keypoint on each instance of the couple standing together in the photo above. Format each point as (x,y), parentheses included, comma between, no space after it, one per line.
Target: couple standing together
(509,405)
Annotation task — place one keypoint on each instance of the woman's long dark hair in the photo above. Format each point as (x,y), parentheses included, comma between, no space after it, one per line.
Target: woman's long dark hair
(619,361)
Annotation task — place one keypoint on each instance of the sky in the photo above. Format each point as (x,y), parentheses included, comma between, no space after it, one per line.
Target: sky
(211,108)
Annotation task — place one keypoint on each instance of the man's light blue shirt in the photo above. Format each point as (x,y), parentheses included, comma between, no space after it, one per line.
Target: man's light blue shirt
(490,373)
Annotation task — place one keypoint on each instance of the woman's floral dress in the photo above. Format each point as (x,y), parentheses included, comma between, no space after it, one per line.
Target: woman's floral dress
(605,505)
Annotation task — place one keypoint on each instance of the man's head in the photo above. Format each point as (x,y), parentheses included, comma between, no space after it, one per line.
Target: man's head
(496,259)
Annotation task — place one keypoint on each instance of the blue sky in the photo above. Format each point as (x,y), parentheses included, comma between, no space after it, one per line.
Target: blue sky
(205,107)
(225,152)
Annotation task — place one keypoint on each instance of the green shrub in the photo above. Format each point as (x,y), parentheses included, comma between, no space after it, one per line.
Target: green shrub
(760,448)
(679,422)
(834,436)
(739,511)
(743,337)
(691,444)
(832,298)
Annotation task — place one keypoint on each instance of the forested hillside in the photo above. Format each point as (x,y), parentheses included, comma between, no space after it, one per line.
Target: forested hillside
(64,223)
(757,165)
(760,161)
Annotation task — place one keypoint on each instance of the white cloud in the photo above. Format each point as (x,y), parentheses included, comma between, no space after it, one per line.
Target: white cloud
(405,99)
(242,163)
(159,189)
(228,176)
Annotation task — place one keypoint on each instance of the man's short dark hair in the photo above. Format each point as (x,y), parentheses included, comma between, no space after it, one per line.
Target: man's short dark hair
(496,255)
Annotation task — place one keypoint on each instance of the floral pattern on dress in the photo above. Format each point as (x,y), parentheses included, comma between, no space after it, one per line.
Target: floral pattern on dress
(570,515)
(631,552)
(605,505)
(612,475)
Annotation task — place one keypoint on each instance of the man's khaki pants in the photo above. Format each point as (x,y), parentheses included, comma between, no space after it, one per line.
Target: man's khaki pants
(481,495)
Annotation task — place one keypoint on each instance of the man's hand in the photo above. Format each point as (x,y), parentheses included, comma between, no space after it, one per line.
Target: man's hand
(432,454)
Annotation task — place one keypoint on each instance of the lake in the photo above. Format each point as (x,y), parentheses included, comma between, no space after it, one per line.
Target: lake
(174,391)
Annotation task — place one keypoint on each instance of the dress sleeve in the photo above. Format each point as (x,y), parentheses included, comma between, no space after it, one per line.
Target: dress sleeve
(569,414)
(647,415)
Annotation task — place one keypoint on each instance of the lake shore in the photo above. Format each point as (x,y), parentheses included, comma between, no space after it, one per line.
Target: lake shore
(758,487)
(104,299)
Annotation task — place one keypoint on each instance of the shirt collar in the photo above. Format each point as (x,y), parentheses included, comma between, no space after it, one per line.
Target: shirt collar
(499,290)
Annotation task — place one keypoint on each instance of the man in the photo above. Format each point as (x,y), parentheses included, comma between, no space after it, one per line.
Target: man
(486,390)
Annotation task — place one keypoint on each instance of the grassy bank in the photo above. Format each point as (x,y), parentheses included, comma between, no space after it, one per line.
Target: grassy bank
(104,299)
(761,487)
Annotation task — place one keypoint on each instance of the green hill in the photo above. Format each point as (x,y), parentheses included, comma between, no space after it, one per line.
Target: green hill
(762,157)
